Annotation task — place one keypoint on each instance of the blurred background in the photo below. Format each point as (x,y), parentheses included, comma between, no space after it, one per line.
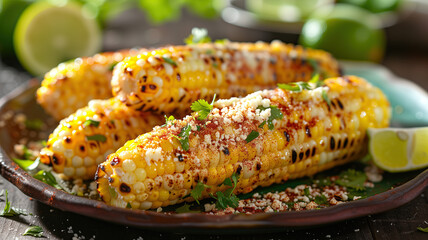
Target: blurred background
(36,35)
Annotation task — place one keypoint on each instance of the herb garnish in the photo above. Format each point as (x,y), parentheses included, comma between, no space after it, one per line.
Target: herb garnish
(253,135)
(423,229)
(321,200)
(48,178)
(185,209)
(352,179)
(183,137)
(325,97)
(295,86)
(198,35)
(112,66)
(196,192)
(27,165)
(275,113)
(168,120)
(128,205)
(228,198)
(202,107)
(91,122)
(10,211)
(34,231)
(170,61)
(97,137)
(35,124)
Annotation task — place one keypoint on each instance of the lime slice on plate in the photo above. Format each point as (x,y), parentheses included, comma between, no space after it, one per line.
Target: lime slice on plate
(399,149)
(47,35)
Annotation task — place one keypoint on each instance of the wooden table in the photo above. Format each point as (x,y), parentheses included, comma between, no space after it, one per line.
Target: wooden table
(407,57)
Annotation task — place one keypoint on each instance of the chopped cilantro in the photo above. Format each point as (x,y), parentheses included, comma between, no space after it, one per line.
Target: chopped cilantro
(27,154)
(317,81)
(183,137)
(168,120)
(198,128)
(306,192)
(321,200)
(423,229)
(27,165)
(170,61)
(34,231)
(185,209)
(97,137)
(275,113)
(196,192)
(228,198)
(128,205)
(315,66)
(35,124)
(112,192)
(222,41)
(112,66)
(352,179)
(199,35)
(91,122)
(10,211)
(295,86)
(202,107)
(48,178)
(325,97)
(253,135)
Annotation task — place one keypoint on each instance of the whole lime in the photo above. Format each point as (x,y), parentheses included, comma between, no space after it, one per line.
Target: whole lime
(348,32)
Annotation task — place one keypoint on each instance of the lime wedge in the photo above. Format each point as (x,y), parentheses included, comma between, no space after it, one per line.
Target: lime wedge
(399,149)
(47,35)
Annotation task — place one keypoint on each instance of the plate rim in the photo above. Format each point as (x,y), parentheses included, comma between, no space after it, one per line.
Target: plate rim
(49,195)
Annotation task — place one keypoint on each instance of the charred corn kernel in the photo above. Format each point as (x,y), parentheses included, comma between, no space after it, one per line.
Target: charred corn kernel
(168,80)
(288,151)
(82,140)
(71,85)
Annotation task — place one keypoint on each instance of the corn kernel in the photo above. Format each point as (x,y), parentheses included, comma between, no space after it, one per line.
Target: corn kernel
(163,195)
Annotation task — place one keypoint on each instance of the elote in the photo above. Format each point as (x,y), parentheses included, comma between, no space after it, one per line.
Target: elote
(73,84)
(84,139)
(266,137)
(168,80)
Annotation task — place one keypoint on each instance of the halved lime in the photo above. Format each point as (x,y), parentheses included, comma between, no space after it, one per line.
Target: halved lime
(399,149)
(47,35)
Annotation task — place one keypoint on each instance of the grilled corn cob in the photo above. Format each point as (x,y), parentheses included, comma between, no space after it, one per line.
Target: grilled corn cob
(168,80)
(73,84)
(249,137)
(84,139)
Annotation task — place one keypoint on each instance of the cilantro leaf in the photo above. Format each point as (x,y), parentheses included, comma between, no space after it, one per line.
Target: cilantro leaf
(27,165)
(275,113)
(91,122)
(185,209)
(352,179)
(112,66)
(253,135)
(34,231)
(97,137)
(222,41)
(48,178)
(168,120)
(295,86)
(423,229)
(202,107)
(196,192)
(321,200)
(325,97)
(10,211)
(228,198)
(306,192)
(27,154)
(199,35)
(170,61)
(112,192)
(35,124)
(183,137)
(128,205)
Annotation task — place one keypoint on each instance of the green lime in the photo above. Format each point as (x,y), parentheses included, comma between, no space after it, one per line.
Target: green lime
(376,6)
(348,32)
(10,10)
(284,10)
(399,149)
(47,35)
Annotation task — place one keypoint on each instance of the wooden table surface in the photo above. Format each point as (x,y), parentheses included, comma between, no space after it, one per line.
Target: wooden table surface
(407,57)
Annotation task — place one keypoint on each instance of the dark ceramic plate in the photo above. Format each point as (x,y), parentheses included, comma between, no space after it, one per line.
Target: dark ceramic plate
(382,198)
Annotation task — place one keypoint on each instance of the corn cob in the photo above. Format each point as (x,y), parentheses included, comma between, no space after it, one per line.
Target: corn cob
(84,139)
(73,84)
(168,80)
(239,136)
